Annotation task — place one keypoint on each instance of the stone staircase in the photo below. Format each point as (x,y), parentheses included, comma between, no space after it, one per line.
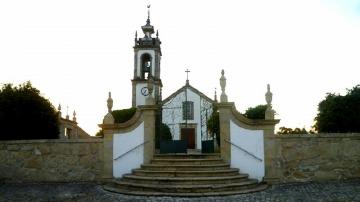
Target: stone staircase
(190,175)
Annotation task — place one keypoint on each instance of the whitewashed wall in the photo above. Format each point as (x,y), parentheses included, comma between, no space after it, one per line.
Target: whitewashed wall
(122,144)
(172,115)
(140,98)
(253,142)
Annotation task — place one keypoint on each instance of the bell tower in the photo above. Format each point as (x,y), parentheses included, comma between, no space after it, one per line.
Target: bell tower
(147,56)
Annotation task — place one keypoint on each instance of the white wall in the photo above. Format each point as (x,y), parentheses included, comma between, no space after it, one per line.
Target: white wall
(122,144)
(253,142)
(140,98)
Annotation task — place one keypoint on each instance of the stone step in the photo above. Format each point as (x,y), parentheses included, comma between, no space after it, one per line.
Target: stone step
(187,156)
(184,167)
(199,173)
(191,188)
(183,180)
(115,189)
(202,161)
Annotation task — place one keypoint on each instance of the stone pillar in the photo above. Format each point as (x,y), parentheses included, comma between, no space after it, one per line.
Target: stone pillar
(149,116)
(272,156)
(108,129)
(108,152)
(224,119)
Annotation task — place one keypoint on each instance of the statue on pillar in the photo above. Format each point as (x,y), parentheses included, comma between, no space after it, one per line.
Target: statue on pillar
(269,113)
(223,96)
(109,119)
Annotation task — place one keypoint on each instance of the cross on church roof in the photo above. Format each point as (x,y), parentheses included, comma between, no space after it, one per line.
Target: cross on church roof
(187,76)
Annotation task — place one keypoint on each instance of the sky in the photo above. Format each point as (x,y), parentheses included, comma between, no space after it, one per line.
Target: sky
(76,51)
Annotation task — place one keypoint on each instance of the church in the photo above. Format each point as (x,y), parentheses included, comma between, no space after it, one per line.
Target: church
(185,111)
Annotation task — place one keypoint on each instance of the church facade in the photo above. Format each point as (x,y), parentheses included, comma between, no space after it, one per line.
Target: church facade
(186,111)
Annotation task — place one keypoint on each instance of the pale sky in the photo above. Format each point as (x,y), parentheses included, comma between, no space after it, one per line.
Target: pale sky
(76,51)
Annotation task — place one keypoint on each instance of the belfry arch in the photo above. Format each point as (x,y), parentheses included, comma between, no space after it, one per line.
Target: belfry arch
(146,65)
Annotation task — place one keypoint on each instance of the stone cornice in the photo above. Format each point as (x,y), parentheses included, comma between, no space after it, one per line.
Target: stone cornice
(138,80)
(88,140)
(320,135)
(135,120)
(238,116)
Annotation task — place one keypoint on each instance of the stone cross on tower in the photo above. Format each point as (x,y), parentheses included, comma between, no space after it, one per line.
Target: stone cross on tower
(187,76)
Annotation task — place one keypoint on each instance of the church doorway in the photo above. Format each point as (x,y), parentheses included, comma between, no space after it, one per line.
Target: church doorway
(188,134)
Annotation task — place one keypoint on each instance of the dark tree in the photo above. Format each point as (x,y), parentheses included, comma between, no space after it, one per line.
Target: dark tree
(165,133)
(257,112)
(339,114)
(213,124)
(25,114)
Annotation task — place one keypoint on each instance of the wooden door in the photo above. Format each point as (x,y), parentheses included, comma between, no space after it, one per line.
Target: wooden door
(189,135)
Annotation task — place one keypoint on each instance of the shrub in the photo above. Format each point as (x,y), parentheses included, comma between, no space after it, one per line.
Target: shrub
(257,112)
(123,115)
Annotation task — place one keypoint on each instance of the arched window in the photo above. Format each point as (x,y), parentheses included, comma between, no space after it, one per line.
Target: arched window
(145,66)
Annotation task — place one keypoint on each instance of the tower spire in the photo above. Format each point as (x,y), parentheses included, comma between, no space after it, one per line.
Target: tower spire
(148,19)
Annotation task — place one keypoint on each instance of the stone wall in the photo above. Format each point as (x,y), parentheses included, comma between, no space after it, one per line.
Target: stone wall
(298,158)
(51,160)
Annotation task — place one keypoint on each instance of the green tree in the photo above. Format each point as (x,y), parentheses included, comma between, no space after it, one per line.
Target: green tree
(257,112)
(339,114)
(100,133)
(25,114)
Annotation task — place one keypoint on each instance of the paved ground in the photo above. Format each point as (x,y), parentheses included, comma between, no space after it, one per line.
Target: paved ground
(329,191)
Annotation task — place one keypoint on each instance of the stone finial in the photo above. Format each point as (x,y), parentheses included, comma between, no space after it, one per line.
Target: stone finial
(157,33)
(268,96)
(59,111)
(108,118)
(67,113)
(223,96)
(109,103)
(215,96)
(269,113)
(148,20)
(74,116)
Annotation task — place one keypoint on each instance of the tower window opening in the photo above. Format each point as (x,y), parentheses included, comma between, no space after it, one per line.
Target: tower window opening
(146,75)
(145,66)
